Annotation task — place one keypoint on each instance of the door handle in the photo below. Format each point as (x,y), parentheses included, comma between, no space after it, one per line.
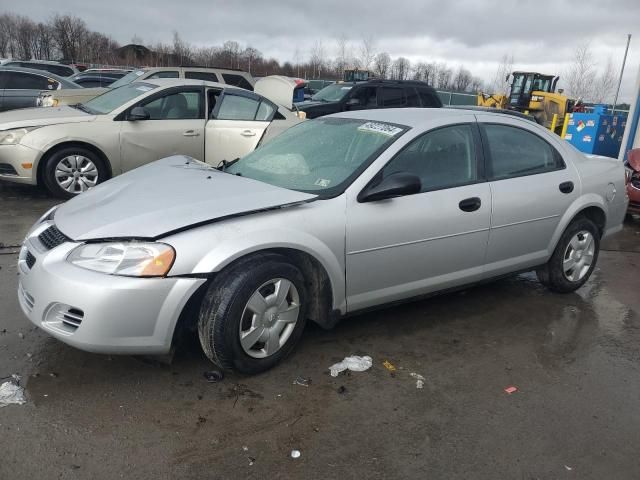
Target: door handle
(470,204)
(566,187)
(248,133)
(190,133)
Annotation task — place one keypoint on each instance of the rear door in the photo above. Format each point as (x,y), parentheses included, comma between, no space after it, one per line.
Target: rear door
(531,189)
(175,126)
(237,123)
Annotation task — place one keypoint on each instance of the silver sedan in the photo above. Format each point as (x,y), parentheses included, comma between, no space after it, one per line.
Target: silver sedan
(335,215)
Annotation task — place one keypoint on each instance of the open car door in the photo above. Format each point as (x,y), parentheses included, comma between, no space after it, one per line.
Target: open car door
(236,125)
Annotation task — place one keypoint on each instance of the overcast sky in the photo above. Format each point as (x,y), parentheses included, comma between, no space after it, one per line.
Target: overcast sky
(541,35)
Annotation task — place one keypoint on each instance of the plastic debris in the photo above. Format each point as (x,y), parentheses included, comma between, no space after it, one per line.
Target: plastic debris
(353,363)
(251,461)
(303,382)
(419,380)
(511,389)
(214,376)
(295,454)
(568,468)
(389,366)
(245,448)
(11,392)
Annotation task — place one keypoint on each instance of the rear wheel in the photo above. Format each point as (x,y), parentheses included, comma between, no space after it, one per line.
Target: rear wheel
(574,258)
(73,170)
(253,315)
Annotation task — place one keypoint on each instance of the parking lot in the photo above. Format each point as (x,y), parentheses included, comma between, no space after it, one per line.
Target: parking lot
(573,358)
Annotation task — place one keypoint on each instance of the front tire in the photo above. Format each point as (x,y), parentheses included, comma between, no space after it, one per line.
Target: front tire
(574,258)
(253,315)
(73,170)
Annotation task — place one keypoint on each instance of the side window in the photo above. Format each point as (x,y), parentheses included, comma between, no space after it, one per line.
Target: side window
(516,152)
(88,83)
(442,158)
(165,74)
(265,111)
(429,99)
(366,96)
(236,80)
(175,106)
(206,76)
(29,81)
(393,97)
(235,107)
(412,97)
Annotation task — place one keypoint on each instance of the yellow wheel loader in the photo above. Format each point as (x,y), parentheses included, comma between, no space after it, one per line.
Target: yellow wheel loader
(535,94)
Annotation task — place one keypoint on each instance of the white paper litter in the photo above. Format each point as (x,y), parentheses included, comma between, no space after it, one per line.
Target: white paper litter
(295,454)
(419,380)
(353,363)
(12,392)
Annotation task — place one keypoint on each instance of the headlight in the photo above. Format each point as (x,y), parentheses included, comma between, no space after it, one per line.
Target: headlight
(13,136)
(133,259)
(48,101)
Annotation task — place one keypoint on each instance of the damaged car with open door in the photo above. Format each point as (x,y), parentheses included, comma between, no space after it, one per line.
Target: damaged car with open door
(333,216)
(70,149)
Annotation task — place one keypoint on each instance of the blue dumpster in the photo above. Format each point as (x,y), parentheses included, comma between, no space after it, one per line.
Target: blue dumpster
(598,133)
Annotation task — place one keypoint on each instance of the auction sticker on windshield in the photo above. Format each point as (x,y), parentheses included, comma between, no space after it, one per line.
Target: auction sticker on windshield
(383,128)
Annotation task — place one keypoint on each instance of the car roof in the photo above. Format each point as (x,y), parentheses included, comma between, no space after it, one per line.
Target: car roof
(181,82)
(411,117)
(503,111)
(42,73)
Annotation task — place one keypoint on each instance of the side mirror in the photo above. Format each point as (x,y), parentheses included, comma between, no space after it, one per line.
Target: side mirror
(353,102)
(138,113)
(395,185)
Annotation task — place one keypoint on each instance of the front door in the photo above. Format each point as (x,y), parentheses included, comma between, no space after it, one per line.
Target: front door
(412,245)
(238,122)
(175,127)
(531,189)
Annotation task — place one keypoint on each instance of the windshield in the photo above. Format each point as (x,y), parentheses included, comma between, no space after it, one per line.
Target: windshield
(319,156)
(332,93)
(127,79)
(109,101)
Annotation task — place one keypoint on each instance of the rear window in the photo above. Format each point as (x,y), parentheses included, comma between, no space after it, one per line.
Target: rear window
(206,76)
(29,81)
(429,99)
(60,70)
(413,100)
(165,74)
(393,97)
(237,80)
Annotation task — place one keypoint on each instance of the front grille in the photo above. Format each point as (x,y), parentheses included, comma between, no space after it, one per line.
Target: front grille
(6,169)
(30,259)
(52,237)
(72,317)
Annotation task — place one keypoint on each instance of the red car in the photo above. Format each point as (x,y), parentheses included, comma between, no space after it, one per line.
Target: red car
(633,180)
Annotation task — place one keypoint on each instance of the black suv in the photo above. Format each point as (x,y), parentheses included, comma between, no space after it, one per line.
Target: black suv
(341,97)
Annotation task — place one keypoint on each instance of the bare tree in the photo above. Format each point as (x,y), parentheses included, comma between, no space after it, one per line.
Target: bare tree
(381,64)
(443,77)
(581,75)
(297,59)
(605,83)
(68,33)
(500,82)
(317,58)
(475,85)
(341,53)
(367,52)
(462,79)
(250,55)
(400,68)
(231,54)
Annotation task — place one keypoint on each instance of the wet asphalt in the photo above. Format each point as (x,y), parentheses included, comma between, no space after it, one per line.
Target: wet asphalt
(574,360)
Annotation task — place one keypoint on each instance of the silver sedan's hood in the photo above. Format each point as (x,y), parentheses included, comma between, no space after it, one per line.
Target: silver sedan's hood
(40,116)
(164,196)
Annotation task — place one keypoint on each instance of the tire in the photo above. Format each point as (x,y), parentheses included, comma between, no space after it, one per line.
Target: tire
(225,314)
(564,272)
(86,169)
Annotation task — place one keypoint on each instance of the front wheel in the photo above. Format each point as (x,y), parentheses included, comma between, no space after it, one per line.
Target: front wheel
(253,314)
(574,258)
(73,170)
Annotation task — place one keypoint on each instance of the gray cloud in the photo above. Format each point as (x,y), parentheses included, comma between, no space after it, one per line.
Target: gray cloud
(541,35)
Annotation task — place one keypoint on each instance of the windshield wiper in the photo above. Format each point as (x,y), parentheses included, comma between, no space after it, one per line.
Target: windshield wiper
(81,106)
(222,166)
